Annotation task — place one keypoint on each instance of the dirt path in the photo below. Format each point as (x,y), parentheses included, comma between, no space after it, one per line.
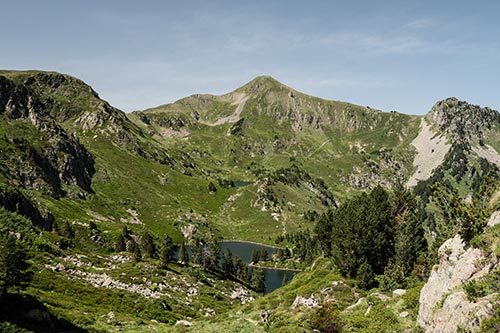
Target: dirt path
(240,102)
(430,153)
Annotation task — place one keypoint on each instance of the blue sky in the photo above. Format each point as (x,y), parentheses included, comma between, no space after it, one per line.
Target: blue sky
(392,55)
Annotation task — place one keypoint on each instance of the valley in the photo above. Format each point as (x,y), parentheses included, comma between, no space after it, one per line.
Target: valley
(351,204)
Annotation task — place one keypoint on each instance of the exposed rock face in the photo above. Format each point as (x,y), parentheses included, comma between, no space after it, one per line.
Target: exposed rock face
(57,158)
(456,266)
(15,201)
(461,120)
(457,311)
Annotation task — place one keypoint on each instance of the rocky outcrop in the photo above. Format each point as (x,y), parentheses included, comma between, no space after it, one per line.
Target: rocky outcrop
(462,121)
(15,201)
(458,311)
(52,158)
(457,265)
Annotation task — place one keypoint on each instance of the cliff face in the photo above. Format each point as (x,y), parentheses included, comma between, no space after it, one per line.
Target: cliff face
(37,152)
(445,302)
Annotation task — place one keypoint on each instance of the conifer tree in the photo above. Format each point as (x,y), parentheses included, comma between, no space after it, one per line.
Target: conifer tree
(15,270)
(167,250)
(258,280)
(183,253)
(147,245)
(227,263)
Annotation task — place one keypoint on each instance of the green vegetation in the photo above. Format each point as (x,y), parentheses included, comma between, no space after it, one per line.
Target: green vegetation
(106,200)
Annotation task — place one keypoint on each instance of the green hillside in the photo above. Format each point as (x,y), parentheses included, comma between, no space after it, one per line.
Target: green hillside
(98,199)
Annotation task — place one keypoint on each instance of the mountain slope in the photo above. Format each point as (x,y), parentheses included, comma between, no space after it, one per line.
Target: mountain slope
(262,162)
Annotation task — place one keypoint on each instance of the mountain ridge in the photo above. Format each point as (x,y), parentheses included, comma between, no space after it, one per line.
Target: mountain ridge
(263,163)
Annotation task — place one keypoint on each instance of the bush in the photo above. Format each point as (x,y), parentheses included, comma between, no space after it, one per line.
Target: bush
(474,290)
(365,276)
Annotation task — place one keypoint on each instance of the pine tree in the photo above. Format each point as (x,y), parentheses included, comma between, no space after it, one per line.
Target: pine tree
(255,256)
(197,252)
(120,244)
(147,245)
(68,231)
(167,250)
(15,270)
(227,263)
(240,269)
(365,276)
(211,253)
(258,280)
(183,254)
(137,254)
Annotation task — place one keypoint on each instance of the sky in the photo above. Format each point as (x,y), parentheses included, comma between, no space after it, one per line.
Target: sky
(390,55)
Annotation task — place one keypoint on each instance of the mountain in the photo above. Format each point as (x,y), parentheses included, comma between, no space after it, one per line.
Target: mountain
(264,163)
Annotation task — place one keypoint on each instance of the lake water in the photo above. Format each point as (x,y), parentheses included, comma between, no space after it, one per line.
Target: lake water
(274,277)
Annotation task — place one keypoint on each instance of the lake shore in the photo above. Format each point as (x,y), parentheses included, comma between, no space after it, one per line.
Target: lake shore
(275,268)
(249,242)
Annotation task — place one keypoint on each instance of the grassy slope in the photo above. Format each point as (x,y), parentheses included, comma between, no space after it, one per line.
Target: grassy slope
(318,281)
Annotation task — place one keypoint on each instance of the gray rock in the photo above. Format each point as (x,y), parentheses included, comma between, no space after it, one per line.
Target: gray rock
(494,219)
(458,311)
(456,266)
(398,292)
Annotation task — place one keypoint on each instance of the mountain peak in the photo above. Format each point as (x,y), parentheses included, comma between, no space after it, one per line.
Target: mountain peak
(263,83)
(462,120)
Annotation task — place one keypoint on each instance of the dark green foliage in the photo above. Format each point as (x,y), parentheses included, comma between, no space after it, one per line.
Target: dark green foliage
(474,290)
(258,280)
(227,263)
(148,246)
(212,188)
(15,270)
(68,231)
(365,276)
(373,233)
(183,254)
(306,246)
(167,250)
(467,219)
(240,269)
(259,255)
(323,231)
(120,244)
(93,226)
(197,252)
(136,253)
(237,128)
(283,253)
(363,232)
(327,319)
(211,253)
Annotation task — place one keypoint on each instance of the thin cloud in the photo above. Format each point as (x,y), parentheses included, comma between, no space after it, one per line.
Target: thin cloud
(419,24)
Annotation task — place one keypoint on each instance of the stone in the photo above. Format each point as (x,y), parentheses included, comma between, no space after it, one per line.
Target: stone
(458,311)
(360,300)
(381,297)
(404,314)
(398,292)
(494,219)
(310,302)
(456,266)
(183,323)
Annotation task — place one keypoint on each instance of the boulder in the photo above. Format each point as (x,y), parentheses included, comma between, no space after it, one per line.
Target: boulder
(457,311)
(398,292)
(456,266)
